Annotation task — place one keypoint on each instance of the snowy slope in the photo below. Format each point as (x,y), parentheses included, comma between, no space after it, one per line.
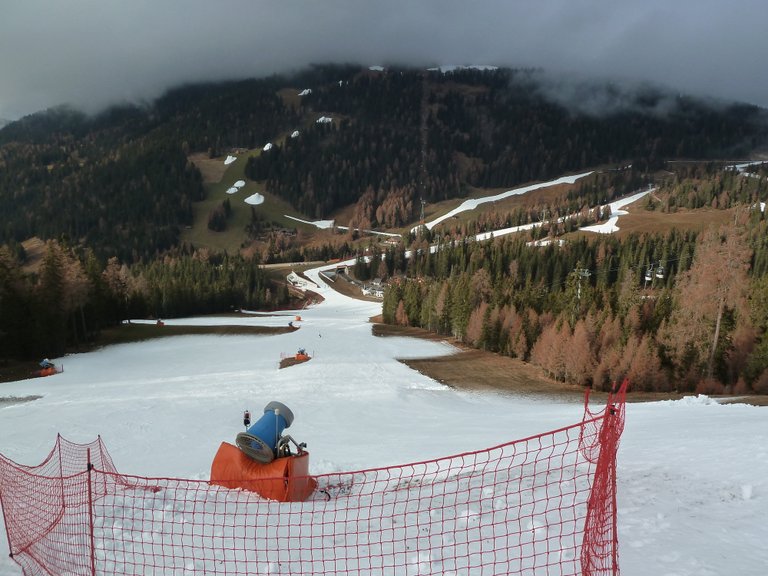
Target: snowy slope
(693,494)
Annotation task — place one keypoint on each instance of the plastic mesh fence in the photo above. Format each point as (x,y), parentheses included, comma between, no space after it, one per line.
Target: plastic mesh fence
(544,505)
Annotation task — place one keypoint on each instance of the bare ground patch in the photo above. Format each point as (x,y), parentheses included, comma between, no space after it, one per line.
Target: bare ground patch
(9,400)
(640,221)
(211,169)
(472,369)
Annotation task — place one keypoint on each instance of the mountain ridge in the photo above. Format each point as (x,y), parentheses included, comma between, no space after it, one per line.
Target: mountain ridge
(122,183)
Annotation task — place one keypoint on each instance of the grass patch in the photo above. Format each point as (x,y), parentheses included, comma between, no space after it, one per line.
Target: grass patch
(290,97)
(472,369)
(273,209)
(640,221)
(211,169)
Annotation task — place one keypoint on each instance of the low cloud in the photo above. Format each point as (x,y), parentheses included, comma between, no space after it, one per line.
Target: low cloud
(91,53)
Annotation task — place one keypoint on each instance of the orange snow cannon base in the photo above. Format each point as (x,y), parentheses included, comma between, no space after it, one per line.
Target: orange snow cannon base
(284,479)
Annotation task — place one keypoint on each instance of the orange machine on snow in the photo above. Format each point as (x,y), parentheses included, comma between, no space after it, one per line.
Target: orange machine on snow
(47,368)
(262,461)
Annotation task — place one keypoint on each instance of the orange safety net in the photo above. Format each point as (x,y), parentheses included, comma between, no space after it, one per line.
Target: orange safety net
(539,505)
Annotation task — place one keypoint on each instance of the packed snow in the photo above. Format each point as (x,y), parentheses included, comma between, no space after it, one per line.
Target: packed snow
(326,224)
(239,184)
(300,282)
(324,120)
(267,147)
(254,199)
(692,473)
(305,92)
(321,224)
(607,227)
(742,167)
(295,134)
(610,225)
(233,190)
(475,202)
(229,160)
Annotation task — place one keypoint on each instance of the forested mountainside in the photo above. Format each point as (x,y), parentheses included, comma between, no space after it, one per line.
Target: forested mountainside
(122,184)
(72,296)
(114,203)
(672,309)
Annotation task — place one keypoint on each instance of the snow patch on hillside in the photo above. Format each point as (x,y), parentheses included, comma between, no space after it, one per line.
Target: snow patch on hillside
(322,224)
(254,199)
(698,400)
(475,202)
(610,225)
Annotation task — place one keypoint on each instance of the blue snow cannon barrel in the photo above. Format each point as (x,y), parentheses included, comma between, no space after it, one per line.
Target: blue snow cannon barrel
(260,440)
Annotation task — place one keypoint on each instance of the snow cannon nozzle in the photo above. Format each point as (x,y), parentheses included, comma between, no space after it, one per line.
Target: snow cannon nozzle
(263,441)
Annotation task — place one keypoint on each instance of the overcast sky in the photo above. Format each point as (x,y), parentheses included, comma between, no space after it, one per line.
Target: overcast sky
(90,53)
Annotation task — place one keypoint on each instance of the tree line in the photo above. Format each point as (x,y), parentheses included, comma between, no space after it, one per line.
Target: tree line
(678,311)
(121,183)
(71,296)
(407,135)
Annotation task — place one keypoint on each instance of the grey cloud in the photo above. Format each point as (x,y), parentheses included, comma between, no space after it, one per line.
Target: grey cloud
(91,53)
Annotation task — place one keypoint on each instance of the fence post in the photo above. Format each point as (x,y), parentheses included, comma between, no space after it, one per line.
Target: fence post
(61,473)
(90,514)
(599,550)
(5,523)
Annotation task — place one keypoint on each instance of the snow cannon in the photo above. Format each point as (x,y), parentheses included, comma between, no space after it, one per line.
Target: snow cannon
(261,441)
(262,461)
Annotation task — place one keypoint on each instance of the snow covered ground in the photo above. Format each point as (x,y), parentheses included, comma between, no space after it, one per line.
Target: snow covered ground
(692,474)
(321,224)
(610,226)
(255,199)
(475,202)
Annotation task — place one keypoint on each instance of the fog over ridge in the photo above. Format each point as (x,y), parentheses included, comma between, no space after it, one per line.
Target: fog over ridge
(90,53)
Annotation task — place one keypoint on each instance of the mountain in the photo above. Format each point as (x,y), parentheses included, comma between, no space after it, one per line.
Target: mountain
(371,144)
